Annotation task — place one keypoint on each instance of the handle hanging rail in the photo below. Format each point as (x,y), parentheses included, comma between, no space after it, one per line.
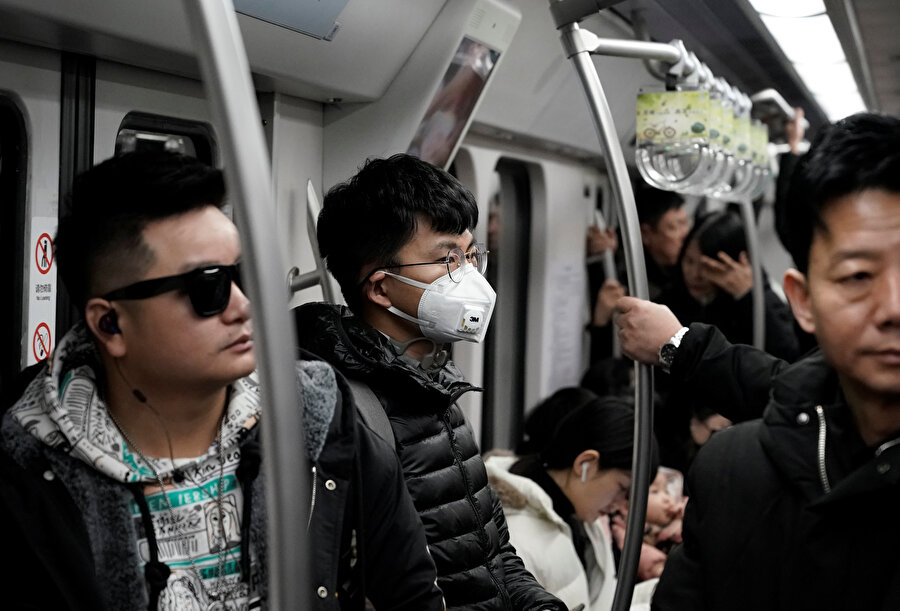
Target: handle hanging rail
(226,76)
(297,281)
(684,68)
(577,51)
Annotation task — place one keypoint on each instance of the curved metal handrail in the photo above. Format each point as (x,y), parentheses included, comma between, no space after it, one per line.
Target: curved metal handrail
(226,77)
(637,286)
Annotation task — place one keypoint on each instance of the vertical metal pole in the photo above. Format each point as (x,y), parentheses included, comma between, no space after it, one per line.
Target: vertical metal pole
(758,290)
(637,286)
(609,270)
(226,75)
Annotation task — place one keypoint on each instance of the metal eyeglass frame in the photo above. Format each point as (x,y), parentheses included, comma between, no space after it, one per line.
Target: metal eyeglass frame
(477,249)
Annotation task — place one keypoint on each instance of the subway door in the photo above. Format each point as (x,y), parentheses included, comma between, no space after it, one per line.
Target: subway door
(509,240)
(562,207)
(503,189)
(29,177)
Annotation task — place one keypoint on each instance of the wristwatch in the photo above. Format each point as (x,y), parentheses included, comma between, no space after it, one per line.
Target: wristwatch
(667,351)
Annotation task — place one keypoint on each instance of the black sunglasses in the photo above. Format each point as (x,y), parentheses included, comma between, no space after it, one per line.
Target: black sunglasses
(209,288)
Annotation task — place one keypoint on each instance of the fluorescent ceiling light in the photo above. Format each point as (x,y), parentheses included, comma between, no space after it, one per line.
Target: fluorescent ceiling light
(789,8)
(806,39)
(824,79)
(839,105)
(806,35)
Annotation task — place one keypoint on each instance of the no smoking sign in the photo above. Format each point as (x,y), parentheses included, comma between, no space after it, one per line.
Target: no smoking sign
(41,343)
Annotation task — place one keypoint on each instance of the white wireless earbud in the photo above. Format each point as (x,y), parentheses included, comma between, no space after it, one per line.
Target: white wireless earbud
(584,468)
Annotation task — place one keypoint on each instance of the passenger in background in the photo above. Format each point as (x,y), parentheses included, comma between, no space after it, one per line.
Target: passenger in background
(714,285)
(610,377)
(705,422)
(129,467)
(398,239)
(797,510)
(787,163)
(665,511)
(664,224)
(558,500)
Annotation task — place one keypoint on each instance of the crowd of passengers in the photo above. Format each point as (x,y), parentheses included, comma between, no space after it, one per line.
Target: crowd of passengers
(131,467)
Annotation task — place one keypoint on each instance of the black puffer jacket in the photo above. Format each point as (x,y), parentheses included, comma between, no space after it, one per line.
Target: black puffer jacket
(464,523)
(760,531)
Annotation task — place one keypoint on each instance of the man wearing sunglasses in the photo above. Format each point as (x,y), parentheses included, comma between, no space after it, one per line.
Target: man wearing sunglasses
(398,239)
(129,466)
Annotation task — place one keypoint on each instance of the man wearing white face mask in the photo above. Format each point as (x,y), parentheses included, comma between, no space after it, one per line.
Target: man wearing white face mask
(398,239)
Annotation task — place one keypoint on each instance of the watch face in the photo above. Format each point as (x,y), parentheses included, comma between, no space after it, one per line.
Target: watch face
(667,353)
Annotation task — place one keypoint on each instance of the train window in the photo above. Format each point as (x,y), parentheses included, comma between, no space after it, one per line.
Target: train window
(143,131)
(129,140)
(13,173)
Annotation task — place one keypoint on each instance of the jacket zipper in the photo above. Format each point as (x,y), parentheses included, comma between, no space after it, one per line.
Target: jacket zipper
(503,593)
(823,474)
(312,503)
(886,446)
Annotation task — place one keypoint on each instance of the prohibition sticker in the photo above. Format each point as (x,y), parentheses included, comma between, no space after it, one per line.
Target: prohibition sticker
(43,253)
(40,344)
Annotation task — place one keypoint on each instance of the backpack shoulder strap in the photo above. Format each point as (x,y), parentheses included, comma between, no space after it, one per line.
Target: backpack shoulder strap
(372,412)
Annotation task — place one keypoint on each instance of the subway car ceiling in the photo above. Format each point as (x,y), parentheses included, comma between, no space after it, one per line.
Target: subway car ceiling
(534,96)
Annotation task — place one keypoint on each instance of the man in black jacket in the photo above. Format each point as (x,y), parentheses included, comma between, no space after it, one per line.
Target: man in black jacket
(397,237)
(130,462)
(798,510)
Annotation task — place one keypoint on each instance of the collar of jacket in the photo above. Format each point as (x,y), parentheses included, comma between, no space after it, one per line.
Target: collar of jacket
(791,435)
(335,334)
(520,493)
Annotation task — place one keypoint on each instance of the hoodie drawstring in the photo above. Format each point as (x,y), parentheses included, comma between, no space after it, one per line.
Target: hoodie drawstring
(156,573)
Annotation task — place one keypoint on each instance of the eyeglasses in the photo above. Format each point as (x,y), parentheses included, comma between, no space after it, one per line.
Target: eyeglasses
(476,256)
(209,288)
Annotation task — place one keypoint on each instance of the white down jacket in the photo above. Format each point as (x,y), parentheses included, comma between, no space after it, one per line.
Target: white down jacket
(544,542)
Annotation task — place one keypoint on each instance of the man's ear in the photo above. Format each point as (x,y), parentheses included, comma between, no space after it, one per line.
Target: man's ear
(103,322)
(796,289)
(375,291)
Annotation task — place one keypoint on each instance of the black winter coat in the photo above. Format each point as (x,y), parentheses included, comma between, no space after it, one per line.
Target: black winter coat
(760,530)
(464,523)
(734,317)
(365,536)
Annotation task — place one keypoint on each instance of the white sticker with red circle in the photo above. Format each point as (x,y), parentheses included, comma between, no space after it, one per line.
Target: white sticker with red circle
(41,290)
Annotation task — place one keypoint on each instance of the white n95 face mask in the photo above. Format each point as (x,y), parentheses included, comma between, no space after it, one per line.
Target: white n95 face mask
(451,311)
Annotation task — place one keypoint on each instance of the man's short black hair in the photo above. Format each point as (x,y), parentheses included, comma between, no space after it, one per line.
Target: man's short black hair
(99,241)
(368,219)
(652,204)
(855,154)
